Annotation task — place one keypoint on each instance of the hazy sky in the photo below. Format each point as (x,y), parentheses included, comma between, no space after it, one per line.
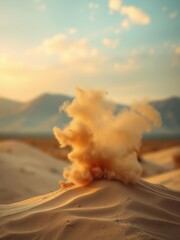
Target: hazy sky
(131,48)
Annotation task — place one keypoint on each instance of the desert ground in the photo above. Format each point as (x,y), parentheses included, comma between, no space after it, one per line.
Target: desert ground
(34,206)
(50,145)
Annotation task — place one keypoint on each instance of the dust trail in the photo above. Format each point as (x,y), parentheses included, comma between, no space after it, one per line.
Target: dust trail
(104,145)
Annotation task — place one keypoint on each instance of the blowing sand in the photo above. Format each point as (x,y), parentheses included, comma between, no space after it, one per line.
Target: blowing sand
(102,210)
(104,144)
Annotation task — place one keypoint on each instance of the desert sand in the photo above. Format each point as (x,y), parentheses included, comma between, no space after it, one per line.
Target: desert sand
(170,179)
(162,161)
(103,195)
(102,210)
(26,172)
(164,158)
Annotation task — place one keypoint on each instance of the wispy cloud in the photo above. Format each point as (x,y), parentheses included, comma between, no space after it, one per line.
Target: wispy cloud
(164,9)
(93,8)
(69,50)
(93,5)
(143,52)
(79,56)
(133,14)
(40,5)
(125,24)
(74,55)
(130,65)
(72,31)
(110,43)
(177,50)
(173,14)
(92,17)
(114,5)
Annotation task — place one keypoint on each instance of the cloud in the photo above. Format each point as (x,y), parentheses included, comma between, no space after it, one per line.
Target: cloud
(93,5)
(114,5)
(125,67)
(176,58)
(73,55)
(126,24)
(69,51)
(92,17)
(164,9)
(66,57)
(177,50)
(133,14)
(143,52)
(110,43)
(40,5)
(173,15)
(72,31)
(93,8)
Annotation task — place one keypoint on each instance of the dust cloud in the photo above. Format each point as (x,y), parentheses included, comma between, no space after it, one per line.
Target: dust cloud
(104,144)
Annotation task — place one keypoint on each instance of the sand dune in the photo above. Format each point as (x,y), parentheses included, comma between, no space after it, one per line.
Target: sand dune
(150,168)
(170,179)
(26,172)
(102,210)
(164,158)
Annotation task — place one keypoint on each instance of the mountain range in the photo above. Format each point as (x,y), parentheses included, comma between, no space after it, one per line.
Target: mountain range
(41,114)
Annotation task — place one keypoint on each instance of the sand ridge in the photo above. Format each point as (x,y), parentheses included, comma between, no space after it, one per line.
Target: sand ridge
(169,179)
(102,210)
(164,157)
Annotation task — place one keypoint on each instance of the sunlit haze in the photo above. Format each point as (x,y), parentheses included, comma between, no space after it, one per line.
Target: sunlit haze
(130,48)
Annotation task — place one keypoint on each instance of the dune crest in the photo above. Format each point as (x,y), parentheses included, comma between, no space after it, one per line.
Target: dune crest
(104,144)
(138,211)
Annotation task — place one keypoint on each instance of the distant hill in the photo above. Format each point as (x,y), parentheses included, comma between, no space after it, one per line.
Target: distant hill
(41,114)
(170,114)
(7,106)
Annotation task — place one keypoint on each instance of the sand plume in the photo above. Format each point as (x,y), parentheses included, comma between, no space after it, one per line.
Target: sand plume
(104,144)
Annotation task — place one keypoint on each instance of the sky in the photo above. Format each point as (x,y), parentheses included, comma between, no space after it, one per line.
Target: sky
(130,48)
